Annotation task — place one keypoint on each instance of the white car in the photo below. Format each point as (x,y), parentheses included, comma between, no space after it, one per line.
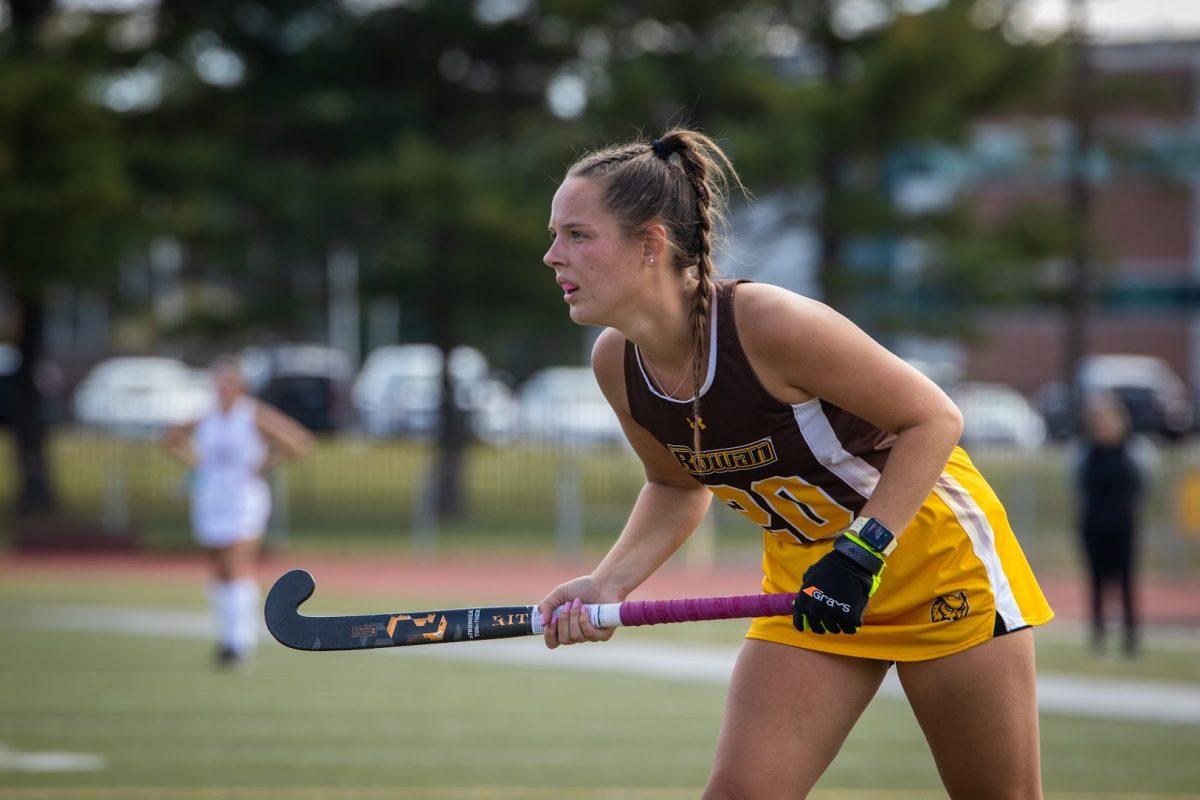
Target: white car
(141,395)
(565,405)
(398,392)
(997,414)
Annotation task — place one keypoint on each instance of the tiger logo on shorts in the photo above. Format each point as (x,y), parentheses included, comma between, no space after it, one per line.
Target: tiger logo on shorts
(949,607)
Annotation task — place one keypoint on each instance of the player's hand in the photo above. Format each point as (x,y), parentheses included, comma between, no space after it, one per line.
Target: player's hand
(572,625)
(834,592)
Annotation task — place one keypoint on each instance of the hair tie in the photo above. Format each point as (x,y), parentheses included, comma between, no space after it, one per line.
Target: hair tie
(661,149)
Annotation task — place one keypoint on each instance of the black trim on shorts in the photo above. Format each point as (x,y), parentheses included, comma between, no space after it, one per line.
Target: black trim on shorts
(1000,629)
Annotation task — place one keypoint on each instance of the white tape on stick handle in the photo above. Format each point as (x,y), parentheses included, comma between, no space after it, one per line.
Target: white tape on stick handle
(605,615)
(601,615)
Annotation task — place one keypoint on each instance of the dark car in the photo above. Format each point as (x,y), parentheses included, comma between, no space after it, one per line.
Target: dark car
(308,382)
(1154,397)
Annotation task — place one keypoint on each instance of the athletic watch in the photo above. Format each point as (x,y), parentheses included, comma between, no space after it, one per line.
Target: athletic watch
(874,535)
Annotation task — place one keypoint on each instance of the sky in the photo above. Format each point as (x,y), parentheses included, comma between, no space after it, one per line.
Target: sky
(1108,20)
(1122,20)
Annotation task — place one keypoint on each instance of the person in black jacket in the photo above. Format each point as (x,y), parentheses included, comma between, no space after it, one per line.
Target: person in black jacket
(1111,483)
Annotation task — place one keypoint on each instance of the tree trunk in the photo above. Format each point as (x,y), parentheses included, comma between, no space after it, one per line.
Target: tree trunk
(36,494)
(452,427)
(451,449)
(831,167)
(1079,202)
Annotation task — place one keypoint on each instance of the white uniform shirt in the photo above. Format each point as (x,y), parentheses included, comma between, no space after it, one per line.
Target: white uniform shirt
(230,499)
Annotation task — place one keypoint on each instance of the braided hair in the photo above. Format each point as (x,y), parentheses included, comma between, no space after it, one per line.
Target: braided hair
(681,179)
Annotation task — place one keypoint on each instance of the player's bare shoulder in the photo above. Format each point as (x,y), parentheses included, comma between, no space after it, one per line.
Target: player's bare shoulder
(773,326)
(608,364)
(768,315)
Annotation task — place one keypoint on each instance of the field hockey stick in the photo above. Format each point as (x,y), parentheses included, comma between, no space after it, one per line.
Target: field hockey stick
(299,632)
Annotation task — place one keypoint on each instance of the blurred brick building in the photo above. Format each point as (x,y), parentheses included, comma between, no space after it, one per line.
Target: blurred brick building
(1146,224)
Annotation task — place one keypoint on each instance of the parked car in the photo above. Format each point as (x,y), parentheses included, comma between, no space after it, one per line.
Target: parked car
(995,414)
(1156,398)
(494,409)
(142,395)
(564,405)
(945,374)
(398,392)
(308,382)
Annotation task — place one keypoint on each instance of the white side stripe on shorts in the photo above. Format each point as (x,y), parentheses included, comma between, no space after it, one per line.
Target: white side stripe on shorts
(983,540)
(863,478)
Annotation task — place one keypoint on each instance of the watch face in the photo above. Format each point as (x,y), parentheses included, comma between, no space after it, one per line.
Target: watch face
(876,535)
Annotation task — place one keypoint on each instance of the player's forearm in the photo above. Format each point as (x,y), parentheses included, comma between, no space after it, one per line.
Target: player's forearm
(297,442)
(181,451)
(290,442)
(662,519)
(917,458)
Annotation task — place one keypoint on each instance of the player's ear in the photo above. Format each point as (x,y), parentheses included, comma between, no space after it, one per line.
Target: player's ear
(655,244)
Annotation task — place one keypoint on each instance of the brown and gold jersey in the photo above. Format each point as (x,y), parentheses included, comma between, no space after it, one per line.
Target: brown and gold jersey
(801,472)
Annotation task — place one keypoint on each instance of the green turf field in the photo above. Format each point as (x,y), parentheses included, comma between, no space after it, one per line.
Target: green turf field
(366,490)
(408,724)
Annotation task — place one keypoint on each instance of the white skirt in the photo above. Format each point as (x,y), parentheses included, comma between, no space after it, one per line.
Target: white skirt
(225,509)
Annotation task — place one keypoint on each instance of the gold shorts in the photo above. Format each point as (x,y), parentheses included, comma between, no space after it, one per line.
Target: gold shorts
(957,578)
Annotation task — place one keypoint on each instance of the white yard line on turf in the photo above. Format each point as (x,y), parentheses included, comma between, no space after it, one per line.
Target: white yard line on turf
(1109,698)
(48,761)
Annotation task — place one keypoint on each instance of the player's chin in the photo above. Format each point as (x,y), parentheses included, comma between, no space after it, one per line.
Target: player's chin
(595,308)
(581,314)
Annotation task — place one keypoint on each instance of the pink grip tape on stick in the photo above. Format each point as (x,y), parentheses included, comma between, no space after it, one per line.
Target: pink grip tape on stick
(654,612)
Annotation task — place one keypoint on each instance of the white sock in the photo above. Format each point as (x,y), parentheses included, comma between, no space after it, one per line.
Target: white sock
(222,596)
(248,612)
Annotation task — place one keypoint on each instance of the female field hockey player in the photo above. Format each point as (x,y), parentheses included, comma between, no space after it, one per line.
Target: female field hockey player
(843,454)
(230,449)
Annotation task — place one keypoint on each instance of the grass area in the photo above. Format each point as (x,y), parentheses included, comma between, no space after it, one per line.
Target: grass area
(372,489)
(1061,646)
(411,724)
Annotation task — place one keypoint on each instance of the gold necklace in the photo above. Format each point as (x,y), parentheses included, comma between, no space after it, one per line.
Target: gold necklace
(661,388)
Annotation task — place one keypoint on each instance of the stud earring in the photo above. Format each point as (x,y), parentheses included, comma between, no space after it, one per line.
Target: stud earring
(652,261)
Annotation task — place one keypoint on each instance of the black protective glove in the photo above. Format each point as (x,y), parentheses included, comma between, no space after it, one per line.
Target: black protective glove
(835,590)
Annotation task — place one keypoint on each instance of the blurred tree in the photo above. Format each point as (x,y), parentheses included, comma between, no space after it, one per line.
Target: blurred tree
(427,137)
(840,98)
(416,135)
(910,89)
(64,200)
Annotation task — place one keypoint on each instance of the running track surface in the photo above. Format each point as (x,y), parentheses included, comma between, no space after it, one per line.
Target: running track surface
(1163,600)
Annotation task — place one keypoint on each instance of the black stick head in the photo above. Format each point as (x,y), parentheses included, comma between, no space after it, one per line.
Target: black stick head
(282,610)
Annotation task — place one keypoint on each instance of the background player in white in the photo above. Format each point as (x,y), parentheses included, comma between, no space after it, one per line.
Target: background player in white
(231,449)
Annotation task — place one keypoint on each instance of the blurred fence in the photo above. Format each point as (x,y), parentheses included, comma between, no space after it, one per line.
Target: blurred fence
(358,493)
